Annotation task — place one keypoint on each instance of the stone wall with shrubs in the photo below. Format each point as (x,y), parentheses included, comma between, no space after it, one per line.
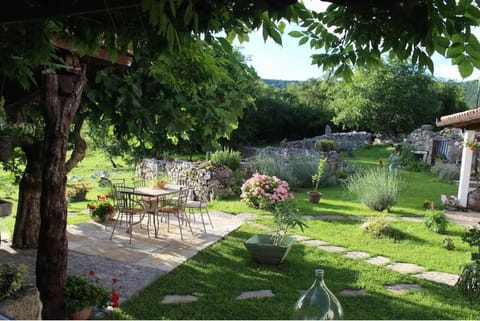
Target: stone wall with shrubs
(343,141)
(209,181)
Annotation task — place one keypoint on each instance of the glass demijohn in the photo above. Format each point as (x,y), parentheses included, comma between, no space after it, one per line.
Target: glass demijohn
(318,302)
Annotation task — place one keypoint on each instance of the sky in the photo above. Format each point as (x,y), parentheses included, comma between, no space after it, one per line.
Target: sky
(293,62)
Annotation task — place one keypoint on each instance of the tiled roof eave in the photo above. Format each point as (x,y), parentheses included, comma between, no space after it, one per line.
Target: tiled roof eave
(463,119)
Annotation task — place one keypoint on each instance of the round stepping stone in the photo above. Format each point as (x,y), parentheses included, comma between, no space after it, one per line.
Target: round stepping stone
(356,255)
(353,292)
(405,268)
(378,260)
(169,299)
(314,242)
(402,288)
(439,277)
(332,248)
(300,238)
(255,294)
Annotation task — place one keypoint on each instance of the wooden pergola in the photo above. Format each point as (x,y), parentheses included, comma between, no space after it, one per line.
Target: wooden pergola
(469,121)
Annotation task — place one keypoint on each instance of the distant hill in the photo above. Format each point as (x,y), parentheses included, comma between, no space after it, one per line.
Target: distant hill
(471,92)
(282,84)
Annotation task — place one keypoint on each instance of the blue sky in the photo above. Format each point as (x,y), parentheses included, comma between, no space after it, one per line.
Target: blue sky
(293,62)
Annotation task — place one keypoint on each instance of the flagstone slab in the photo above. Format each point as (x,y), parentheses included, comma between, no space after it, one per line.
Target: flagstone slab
(301,238)
(169,299)
(353,292)
(405,268)
(356,255)
(332,248)
(438,277)
(332,217)
(255,294)
(401,288)
(378,260)
(314,242)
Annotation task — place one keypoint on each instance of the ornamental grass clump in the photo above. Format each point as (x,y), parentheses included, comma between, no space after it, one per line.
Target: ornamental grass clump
(263,191)
(374,187)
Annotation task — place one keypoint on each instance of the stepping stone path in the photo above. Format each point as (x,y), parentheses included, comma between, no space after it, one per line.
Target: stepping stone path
(169,299)
(314,243)
(353,292)
(356,255)
(405,268)
(402,288)
(378,260)
(255,294)
(332,248)
(439,277)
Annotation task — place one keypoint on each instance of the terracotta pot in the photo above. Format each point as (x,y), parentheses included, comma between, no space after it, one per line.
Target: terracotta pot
(81,315)
(314,197)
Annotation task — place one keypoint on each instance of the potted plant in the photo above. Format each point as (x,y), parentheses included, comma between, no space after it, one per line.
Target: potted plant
(273,249)
(314,196)
(101,210)
(82,294)
(469,281)
(77,192)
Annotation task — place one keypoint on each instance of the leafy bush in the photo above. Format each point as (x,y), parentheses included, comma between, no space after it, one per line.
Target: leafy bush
(469,281)
(446,171)
(375,187)
(435,221)
(325,145)
(297,170)
(263,191)
(226,157)
(377,226)
(448,244)
(12,279)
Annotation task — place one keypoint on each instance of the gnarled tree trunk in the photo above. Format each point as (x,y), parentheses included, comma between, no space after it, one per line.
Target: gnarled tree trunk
(52,251)
(27,222)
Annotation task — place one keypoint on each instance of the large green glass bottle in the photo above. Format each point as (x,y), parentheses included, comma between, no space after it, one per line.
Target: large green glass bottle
(318,302)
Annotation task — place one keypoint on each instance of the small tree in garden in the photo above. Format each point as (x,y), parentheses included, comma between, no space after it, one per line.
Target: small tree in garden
(263,191)
(375,187)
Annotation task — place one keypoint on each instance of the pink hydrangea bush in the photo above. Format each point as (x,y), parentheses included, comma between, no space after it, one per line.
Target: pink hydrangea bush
(263,191)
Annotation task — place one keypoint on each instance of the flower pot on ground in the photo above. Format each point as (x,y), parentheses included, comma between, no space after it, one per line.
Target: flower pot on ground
(314,197)
(77,192)
(5,207)
(273,249)
(263,249)
(82,293)
(101,210)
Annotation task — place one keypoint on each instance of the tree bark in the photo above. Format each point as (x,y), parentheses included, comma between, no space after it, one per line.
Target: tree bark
(52,251)
(27,222)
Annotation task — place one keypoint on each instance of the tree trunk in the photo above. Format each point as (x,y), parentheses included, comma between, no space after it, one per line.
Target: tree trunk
(27,222)
(52,251)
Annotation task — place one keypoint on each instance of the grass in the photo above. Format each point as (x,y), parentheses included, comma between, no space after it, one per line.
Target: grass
(221,272)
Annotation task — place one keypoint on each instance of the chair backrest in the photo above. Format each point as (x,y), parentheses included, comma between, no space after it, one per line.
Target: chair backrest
(139,182)
(182,197)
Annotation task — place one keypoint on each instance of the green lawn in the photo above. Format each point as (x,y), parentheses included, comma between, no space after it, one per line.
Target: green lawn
(220,273)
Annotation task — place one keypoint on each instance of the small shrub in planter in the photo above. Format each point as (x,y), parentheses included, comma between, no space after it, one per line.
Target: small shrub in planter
(435,221)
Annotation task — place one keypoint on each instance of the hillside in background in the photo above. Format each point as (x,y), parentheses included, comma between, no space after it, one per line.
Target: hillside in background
(282,84)
(471,92)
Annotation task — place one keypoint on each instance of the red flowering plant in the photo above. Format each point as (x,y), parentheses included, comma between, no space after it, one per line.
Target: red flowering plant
(85,291)
(101,209)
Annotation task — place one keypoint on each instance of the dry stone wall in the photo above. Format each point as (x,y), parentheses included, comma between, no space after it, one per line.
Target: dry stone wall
(343,141)
(207,180)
